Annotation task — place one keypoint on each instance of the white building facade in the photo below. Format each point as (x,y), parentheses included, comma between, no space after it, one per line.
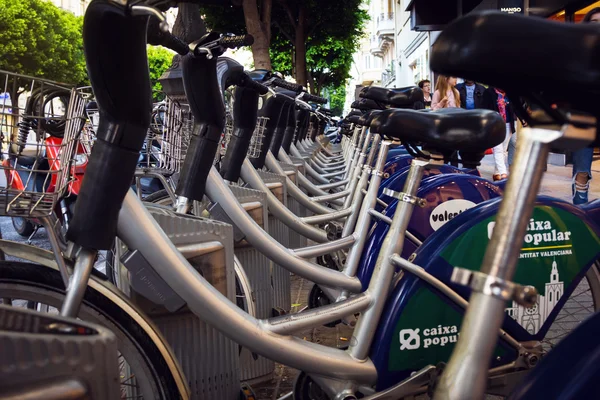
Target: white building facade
(412,50)
(390,55)
(77,7)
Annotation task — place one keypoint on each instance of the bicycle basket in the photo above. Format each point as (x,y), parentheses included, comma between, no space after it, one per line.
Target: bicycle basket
(168,138)
(258,136)
(40,122)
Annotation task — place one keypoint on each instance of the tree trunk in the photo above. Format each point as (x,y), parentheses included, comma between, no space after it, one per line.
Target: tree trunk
(260,48)
(300,45)
(188,25)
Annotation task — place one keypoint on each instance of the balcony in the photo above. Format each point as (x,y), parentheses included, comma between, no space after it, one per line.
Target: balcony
(385,25)
(375,47)
(388,76)
(371,76)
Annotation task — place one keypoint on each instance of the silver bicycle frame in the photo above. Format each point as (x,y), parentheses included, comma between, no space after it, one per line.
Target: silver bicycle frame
(140,231)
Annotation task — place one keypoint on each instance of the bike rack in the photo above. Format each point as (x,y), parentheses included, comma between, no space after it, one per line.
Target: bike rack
(258,269)
(208,245)
(282,295)
(296,240)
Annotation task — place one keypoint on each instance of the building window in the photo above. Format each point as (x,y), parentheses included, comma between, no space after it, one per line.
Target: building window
(367,62)
(378,62)
(420,67)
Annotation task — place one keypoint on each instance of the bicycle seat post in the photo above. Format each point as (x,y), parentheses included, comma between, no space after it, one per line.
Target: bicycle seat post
(379,285)
(465,376)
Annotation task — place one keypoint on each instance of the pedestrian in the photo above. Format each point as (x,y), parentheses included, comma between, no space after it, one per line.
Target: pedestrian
(425,85)
(495,99)
(445,95)
(471,94)
(582,159)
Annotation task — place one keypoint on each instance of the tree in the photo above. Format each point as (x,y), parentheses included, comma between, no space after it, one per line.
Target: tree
(309,23)
(330,31)
(328,63)
(159,60)
(188,24)
(337,98)
(39,39)
(254,17)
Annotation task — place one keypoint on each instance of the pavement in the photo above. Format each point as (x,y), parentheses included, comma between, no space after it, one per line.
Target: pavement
(556,182)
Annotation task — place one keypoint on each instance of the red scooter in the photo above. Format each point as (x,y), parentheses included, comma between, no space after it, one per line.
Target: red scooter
(35,165)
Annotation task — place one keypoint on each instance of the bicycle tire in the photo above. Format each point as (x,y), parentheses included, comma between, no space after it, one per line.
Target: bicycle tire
(18,276)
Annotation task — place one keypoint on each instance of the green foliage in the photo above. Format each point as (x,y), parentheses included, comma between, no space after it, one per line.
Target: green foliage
(333,31)
(159,60)
(39,39)
(337,98)
(332,34)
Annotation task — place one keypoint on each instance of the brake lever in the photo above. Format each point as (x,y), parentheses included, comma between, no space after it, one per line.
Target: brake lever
(302,103)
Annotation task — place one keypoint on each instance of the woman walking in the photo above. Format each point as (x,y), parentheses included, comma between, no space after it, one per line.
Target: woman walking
(445,95)
(496,100)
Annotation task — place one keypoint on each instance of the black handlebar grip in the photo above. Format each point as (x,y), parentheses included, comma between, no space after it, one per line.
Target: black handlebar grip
(204,98)
(302,118)
(111,35)
(232,42)
(245,109)
(287,85)
(157,37)
(249,83)
(237,148)
(314,99)
(277,139)
(177,45)
(198,162)
(288,134)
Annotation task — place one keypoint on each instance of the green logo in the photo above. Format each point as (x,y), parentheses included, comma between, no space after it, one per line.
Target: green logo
(556,246)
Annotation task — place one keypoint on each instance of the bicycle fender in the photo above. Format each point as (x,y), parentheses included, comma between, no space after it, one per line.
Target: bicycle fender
(421,325)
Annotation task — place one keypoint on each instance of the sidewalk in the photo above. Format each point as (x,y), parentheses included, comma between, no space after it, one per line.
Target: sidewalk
(557,180)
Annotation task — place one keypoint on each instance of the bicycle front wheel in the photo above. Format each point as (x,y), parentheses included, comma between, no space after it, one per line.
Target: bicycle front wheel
(144,372)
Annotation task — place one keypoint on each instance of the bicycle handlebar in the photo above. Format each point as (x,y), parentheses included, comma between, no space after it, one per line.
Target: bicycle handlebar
(246,81)
(287,85)
(314,99)
(159,37)
(233,42)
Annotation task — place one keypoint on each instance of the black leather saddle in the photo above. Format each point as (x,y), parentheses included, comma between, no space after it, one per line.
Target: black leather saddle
(446,130)
(366,105)
(408,97)
(367,117)
(353,117)
(556,63)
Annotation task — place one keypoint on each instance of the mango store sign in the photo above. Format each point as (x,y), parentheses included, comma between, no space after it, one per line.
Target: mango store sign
(511,6)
